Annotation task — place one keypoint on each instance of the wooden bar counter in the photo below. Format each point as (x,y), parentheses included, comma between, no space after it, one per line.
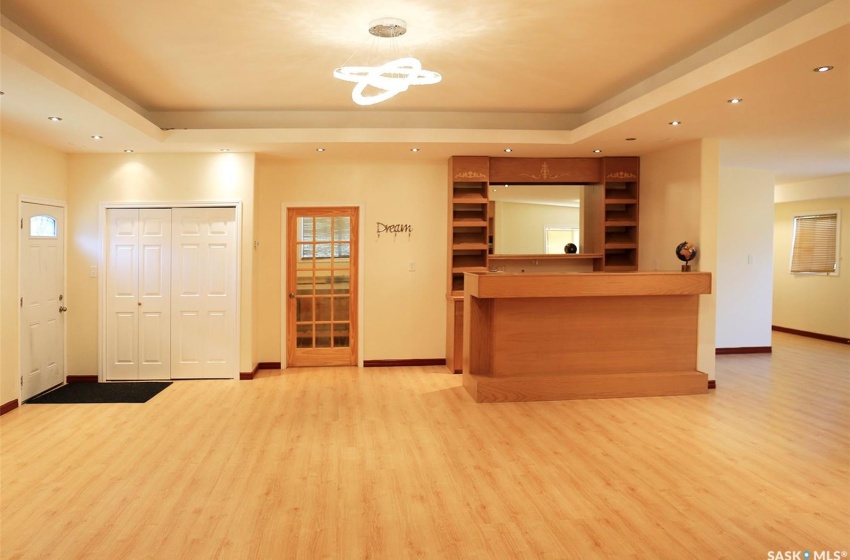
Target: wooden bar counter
(535,337)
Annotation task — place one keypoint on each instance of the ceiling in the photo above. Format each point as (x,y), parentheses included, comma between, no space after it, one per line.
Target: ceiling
(543,77)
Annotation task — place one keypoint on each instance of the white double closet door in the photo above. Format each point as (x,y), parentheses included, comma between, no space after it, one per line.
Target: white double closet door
(170,293)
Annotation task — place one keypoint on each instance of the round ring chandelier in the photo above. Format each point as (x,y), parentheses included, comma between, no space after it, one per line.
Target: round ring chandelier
(391,78)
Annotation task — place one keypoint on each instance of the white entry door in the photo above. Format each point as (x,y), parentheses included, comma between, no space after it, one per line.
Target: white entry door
(203,318)
(42,299)
(138,285)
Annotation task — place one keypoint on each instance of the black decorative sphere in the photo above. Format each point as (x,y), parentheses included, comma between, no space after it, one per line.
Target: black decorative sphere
(570,248)
(686,251)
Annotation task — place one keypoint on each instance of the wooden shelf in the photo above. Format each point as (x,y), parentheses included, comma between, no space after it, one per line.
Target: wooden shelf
(620,201)
(616,245)
(469,246)
(469,223)
(620,268)
(462,269)
(468,198)
(621,223)
(564,257)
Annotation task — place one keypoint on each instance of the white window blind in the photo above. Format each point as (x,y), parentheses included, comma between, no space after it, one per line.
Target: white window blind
(332,236)
(815,244)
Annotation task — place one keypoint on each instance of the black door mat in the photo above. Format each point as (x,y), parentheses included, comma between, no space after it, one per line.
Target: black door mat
(115,392)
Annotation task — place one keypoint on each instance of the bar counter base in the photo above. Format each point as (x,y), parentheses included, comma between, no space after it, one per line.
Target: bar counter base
(582,336)
(524,388)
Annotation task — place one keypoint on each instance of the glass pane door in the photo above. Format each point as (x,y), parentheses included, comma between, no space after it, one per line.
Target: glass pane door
(322,272)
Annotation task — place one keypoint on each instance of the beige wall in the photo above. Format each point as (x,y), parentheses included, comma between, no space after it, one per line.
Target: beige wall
(166,178)
(811,302)
(30,170)
(679,202)
(404,312)
(835,186)
(745,258)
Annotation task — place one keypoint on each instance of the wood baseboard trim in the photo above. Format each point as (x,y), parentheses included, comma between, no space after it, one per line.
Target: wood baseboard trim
(249,375)
(405,363)
(8,407)
(744,350)
(712,384)
(819,336)
(267,365)
(81,379)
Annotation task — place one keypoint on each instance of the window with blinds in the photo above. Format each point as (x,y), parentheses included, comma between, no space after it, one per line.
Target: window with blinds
(330,237)
(815,246)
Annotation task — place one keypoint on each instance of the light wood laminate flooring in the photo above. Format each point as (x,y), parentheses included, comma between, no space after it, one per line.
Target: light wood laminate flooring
(400,463)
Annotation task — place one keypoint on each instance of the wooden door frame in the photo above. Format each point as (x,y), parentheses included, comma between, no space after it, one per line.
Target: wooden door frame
(59,204)
(104,250)
(284,289)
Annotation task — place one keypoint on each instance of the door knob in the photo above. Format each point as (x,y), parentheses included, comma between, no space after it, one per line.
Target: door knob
(291,295)
(63,309)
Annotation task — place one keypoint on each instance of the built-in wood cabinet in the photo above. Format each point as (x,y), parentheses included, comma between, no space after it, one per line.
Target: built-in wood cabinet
(609,216)
(468,219)
(469,242)
(620,182)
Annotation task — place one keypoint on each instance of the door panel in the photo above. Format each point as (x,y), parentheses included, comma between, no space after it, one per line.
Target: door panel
(321,277)
(138,289)
(42,322)
(204,293)
(155,293)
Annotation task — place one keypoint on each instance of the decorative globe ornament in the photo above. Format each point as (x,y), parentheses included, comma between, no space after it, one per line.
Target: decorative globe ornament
(686,252)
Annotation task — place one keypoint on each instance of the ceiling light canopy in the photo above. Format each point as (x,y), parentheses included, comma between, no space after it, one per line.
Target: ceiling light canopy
(377,83)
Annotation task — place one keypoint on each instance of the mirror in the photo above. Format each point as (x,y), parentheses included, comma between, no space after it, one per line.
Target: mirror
(535,219)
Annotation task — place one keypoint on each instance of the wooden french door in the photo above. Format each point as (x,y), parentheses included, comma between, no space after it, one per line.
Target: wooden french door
(321,276)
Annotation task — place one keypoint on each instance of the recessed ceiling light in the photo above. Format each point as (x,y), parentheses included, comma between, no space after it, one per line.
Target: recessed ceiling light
(320,149)
(414,149)
(675,123)
(630,139)
(128,151)
(506,186)
(508,150)
(597,151)
(225,150)
(96,137)
(734,100)
(54,119)
(823,68)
